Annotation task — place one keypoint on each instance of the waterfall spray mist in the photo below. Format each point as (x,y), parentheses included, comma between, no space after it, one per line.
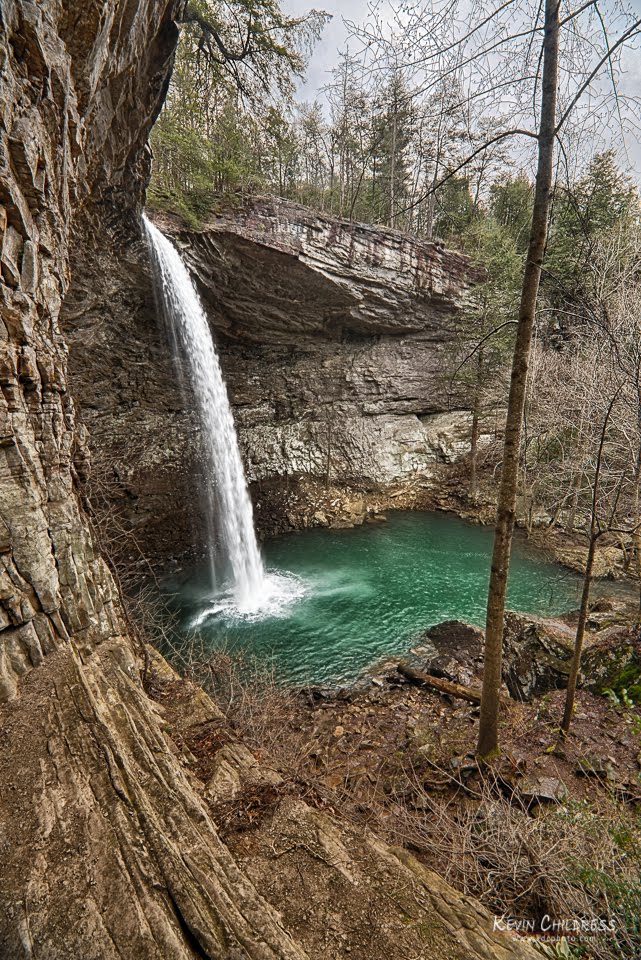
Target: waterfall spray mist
(235,557)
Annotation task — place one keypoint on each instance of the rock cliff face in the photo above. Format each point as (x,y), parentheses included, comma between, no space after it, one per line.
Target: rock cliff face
(335,340)
(68,85)
(334,336)
(109,850)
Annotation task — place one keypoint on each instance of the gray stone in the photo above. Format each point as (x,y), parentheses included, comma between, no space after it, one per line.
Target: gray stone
(332,339)
(543,790)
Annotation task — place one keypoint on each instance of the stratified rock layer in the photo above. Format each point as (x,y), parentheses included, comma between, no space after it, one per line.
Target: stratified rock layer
(336,340)
(107,851)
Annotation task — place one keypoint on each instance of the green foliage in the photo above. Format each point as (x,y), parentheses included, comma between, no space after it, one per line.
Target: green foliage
(455,210)
(483,349)
(625,691)
(391,138)
(601,204)
(251,41)
(217,132)
(492,247)
(511,206)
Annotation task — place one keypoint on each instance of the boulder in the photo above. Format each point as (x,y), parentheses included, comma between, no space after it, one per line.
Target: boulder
(543,790)
(613,662)
(536,656)
(452,650)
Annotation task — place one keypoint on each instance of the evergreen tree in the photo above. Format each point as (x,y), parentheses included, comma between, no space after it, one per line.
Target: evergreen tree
(393,132)
(603,201)
(511,207)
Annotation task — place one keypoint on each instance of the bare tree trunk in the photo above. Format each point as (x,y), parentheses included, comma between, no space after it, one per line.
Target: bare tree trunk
(431,205)
(474,437)
(587,579)
(392,190)
(636,537)
(554,519)
(576,483)
(488,742)
(580,633)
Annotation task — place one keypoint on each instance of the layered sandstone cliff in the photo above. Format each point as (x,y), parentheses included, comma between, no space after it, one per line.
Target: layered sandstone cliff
(337,341)
(109,849)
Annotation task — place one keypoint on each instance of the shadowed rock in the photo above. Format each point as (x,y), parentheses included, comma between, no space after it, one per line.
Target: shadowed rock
(333,338)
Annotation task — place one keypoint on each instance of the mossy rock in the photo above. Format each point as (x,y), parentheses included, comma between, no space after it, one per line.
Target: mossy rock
(613,662)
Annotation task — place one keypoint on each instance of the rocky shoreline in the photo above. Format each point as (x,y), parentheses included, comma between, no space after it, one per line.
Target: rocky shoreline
(302,502)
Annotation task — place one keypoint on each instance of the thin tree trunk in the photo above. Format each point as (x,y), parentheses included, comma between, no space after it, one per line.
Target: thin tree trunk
(554,518)
(488,742)
(474,438)
(636,537)
(576,483)
(580,634)
(587,580)
(392,190)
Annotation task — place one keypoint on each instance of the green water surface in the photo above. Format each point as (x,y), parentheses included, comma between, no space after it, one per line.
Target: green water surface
(368,592)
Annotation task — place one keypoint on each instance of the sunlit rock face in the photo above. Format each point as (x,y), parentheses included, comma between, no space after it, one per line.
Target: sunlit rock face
(336,340)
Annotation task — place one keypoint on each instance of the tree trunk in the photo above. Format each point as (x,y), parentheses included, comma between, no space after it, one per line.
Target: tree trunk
(578,643)
(439,685)
(576,483)
(637,523)
(474,437)
(587,578)
(392,191)
(488,742)
(554,518)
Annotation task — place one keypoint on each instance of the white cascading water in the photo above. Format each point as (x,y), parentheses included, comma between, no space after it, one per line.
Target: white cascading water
(237,565)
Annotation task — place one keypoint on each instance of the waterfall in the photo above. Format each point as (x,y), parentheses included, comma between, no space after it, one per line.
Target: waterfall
(235,558)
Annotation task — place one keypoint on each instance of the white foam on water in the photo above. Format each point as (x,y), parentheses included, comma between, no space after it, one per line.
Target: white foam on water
(278,593)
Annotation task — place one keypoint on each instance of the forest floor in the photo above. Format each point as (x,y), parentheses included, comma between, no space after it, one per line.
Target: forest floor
(552,828)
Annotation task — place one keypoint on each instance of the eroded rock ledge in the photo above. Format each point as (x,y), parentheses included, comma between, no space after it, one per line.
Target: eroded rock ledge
(335,339)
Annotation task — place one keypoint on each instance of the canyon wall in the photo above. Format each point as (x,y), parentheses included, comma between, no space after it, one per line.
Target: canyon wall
(336,339)
(109,848)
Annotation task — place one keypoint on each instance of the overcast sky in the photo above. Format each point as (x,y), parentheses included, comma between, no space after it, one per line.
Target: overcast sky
(325,56)
(334,35)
